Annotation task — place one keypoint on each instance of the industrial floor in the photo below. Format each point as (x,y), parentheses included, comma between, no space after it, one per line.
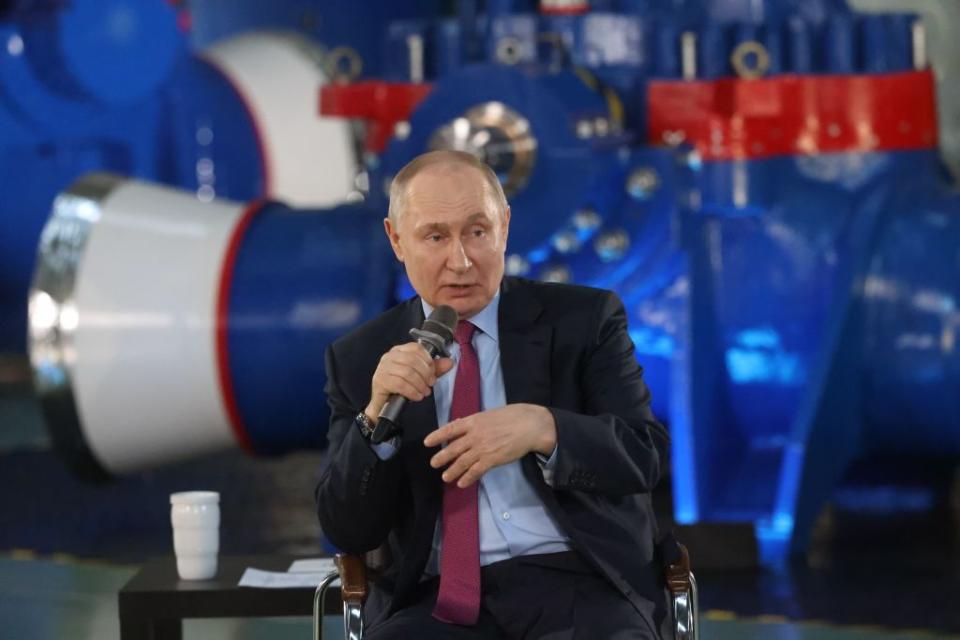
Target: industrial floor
(66,547)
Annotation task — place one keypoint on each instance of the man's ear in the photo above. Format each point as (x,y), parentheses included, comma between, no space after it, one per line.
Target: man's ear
(393,237)
(506,225)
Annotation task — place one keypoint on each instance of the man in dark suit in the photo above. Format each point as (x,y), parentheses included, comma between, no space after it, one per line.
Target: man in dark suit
(541,469)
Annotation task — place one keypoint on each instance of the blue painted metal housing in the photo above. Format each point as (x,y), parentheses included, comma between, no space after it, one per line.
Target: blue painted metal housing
(552,104)
(779,305)
(782,341)
(105,85)
(330,23)
(301,279)
(786,299)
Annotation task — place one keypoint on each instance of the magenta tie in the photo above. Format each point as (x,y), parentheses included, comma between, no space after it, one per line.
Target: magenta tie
(458,600)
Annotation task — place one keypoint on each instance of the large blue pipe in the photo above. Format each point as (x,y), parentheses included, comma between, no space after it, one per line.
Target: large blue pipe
(89,86)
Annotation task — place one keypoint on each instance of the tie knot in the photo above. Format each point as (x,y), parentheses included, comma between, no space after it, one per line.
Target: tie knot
(464,332)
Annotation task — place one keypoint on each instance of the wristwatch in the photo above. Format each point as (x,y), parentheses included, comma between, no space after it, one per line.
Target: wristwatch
(366,427)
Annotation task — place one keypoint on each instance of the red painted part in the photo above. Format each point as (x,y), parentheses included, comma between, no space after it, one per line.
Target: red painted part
(732,119)
(222,313)
(185,20)
(184,17)
(564,8)
(381,104)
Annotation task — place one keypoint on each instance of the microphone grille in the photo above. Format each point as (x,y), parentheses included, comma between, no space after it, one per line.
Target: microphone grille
(443,322)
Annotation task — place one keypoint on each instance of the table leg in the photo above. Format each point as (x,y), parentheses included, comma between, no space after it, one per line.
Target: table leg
(150,629)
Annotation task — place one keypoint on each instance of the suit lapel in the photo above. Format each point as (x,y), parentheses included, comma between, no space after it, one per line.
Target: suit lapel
(524,346)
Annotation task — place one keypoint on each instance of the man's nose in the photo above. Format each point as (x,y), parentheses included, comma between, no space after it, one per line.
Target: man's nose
(457,258)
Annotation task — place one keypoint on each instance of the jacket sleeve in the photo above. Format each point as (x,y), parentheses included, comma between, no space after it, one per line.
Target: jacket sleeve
(358,493)
(616,446)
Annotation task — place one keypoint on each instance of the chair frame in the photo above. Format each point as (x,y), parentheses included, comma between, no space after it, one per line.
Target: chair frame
(352,575)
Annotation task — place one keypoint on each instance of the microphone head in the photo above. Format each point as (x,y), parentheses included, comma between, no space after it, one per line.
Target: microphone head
(443,322)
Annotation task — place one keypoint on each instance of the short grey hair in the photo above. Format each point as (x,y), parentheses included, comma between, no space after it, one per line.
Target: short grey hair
(448,158)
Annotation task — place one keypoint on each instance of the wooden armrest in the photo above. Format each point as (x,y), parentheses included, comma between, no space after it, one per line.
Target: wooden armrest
(678,574)
(353,577)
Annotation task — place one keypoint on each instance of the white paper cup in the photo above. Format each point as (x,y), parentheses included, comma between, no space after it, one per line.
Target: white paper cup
(195,516)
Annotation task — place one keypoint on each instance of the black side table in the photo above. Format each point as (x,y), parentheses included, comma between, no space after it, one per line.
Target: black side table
(155,601)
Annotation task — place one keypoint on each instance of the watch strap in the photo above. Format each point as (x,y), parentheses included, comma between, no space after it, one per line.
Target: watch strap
(364,424)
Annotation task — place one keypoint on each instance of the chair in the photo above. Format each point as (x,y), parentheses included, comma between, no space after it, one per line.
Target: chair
(352,574)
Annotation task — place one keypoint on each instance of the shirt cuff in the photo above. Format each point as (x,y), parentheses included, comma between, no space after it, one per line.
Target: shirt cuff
(548,462)
(548,465)
(388,449)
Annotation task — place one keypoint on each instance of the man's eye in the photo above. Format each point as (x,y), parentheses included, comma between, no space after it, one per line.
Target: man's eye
(479,233)
(434,237)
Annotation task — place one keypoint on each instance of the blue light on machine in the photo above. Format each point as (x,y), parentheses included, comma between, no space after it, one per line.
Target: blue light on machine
(538,255)
(684,513)
(650,342)
(759,338)
(685,505)
(774,533)
(759,357)
(773,538)
(780,527)
(694,160)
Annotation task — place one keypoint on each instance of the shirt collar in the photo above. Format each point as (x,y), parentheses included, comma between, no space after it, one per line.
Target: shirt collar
(485,319)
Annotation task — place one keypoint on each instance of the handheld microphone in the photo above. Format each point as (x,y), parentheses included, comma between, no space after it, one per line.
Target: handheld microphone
(435,336)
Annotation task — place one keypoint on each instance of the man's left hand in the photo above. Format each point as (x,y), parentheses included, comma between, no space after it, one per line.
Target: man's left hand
(488,439)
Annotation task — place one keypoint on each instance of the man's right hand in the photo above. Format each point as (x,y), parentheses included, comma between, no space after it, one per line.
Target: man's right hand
(406,370)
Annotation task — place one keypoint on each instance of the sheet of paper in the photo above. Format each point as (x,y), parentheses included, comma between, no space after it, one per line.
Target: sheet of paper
(280,579)
(313,565)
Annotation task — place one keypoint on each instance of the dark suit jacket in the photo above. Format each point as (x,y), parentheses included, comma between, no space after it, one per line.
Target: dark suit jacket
(561,346)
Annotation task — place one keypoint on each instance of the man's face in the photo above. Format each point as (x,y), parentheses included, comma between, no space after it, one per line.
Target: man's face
(451,238)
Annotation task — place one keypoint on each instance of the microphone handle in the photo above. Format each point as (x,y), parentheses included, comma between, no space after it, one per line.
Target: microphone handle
(389,419)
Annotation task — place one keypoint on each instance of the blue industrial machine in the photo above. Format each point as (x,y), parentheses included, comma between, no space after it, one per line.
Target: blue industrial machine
(92,85)
(759,181)
(113,85)
(787,245)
